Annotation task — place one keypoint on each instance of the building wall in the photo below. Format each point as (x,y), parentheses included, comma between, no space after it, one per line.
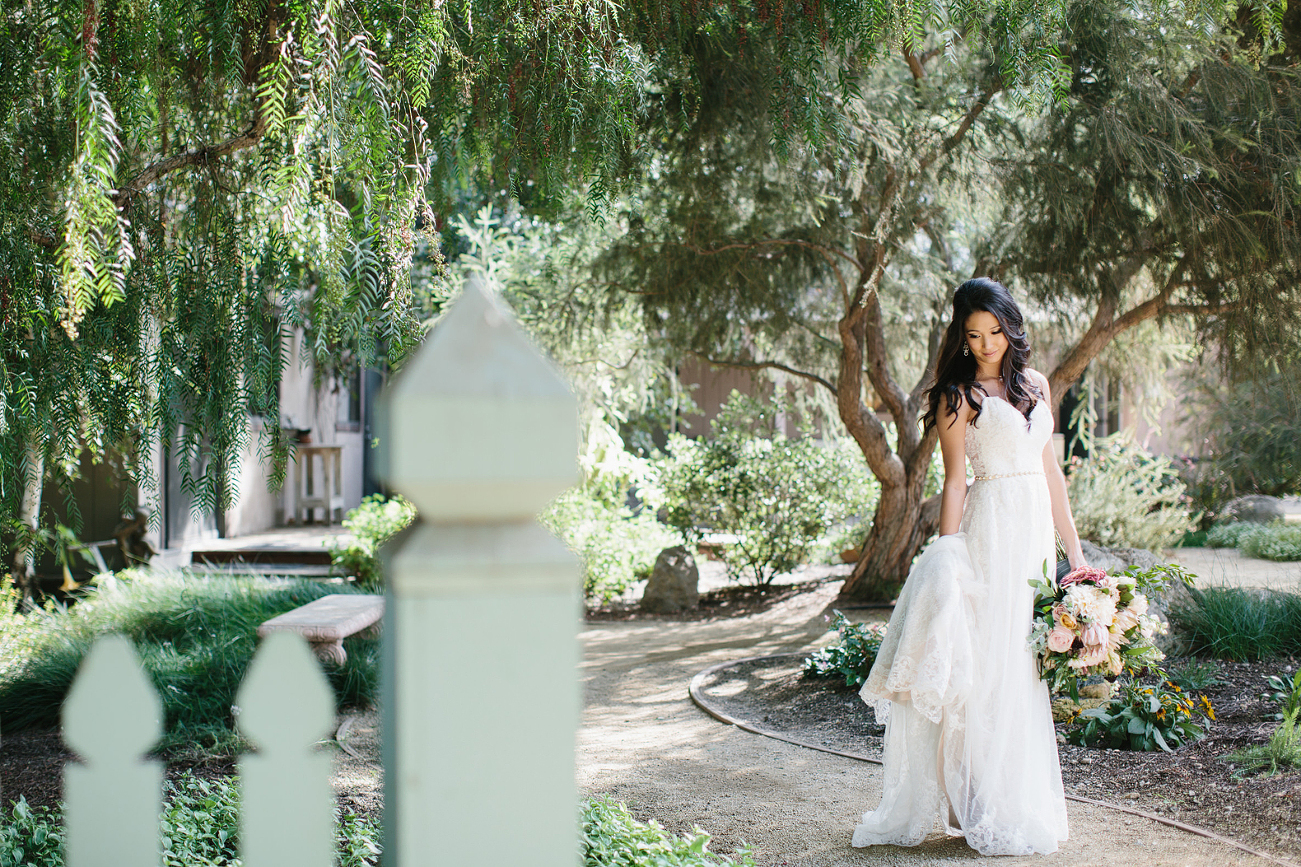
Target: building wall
(322,411)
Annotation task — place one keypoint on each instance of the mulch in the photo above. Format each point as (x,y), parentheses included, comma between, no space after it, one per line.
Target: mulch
(1196,784)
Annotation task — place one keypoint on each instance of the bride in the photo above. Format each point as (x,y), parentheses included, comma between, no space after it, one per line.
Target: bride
(969,737)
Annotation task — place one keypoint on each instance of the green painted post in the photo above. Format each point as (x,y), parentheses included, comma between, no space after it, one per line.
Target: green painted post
(481,696)
(111,717)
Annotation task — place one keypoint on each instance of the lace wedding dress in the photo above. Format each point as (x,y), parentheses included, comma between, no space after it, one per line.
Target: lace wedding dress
(969,737)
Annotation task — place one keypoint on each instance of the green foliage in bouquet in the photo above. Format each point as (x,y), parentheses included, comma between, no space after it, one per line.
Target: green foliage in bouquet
(370,525)
(852,656)
(1137,650)
(1146,718)
(776,495)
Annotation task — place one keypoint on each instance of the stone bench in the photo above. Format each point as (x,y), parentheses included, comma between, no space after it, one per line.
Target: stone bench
(325,622)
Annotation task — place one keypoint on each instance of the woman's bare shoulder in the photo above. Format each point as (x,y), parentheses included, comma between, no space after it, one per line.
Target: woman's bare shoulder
(962,412)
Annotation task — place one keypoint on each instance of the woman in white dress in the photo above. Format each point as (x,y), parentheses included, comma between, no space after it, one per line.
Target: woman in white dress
(969,738)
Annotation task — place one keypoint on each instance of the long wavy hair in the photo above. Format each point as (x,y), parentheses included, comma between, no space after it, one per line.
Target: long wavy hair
(955,373)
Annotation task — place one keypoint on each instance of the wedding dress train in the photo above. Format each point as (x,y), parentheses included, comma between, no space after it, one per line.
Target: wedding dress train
(969,739)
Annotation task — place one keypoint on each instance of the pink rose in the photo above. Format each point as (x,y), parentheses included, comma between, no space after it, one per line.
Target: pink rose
(1060,639)
(1095,634)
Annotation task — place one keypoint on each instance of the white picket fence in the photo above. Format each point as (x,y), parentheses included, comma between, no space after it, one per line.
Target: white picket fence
(480,692)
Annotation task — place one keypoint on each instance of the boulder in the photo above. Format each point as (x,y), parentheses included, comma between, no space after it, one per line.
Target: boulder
(673,584)
(1255,508)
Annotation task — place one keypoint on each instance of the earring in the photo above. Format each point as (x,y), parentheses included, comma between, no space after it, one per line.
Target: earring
(966,350)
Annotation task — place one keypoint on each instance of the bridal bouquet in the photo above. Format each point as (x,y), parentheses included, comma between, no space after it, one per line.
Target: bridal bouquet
(1092,623)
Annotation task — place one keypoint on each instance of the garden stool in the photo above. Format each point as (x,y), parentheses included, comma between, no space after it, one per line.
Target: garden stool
(312,492)
(325,622)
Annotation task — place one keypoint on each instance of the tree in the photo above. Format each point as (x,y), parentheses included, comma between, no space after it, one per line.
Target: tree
(179,182)
(803,266)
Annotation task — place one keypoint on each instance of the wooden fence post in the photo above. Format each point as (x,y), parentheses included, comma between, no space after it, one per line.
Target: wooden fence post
(481,695)
(110,718)
(286,805)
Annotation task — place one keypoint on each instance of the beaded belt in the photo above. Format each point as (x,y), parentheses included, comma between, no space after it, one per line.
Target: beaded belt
(1007,475)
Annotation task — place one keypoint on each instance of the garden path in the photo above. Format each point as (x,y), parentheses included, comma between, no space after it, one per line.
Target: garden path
(642,741)
(1228,567)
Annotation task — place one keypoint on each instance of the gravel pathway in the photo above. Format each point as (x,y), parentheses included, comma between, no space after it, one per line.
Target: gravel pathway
(642,741)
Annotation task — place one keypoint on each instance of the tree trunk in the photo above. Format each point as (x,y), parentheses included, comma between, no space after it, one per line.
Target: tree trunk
(29,514)
(904,520)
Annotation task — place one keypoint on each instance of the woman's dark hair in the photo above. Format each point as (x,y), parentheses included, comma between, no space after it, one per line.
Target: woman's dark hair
(955,373)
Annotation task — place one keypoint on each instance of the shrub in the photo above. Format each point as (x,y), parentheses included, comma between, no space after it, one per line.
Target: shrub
(1145,718)
(1123,496)
(1273,542)
(1282,750)
(1287,693)
(777,496)
(195,635)
(613,838)
(370,525)
(617,546)
(1231,534)
(199,824)
(1253,439)
(852,656)
(1238,623)
(609,521)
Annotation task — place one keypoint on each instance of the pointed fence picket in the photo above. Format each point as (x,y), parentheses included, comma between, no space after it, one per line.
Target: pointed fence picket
(481,697)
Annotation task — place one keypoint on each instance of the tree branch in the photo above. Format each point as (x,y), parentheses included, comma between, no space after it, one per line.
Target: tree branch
(914,65)
(1106,325)
(764,365)
(197,157)
(981,103)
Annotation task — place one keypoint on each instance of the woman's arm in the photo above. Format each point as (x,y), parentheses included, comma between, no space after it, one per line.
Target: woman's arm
(953,446)
(1063,520)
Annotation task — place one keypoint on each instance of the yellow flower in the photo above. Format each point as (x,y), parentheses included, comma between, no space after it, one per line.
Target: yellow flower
(1207,708)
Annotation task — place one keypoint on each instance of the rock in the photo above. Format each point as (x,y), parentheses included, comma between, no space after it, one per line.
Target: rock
(1065,710)
(674,583)
(1097,690)
(1101,558)
(1119,559)
(1255,508)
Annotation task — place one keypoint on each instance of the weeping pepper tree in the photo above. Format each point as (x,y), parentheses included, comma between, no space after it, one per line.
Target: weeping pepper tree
(1161,184)
(181,183)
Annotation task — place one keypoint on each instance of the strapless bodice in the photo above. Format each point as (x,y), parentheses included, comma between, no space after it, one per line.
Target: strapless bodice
(1002,442)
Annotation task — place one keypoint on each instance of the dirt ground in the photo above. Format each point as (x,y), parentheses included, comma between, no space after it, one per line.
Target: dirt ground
(644,742)
(1194,785)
